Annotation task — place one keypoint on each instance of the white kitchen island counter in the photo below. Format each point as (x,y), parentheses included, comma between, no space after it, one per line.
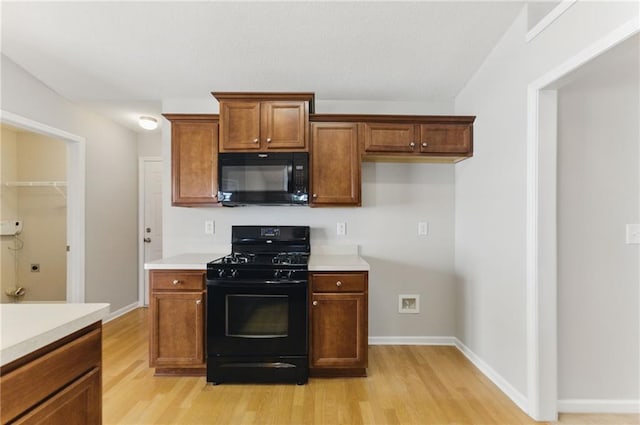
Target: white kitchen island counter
(27,327)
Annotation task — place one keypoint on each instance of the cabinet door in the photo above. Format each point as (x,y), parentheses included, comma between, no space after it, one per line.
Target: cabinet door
(383,137)
(177,329)
(80,403)
(284,125)
(194,150)
(338,331)
(445,138)
(239,126)
(335,164)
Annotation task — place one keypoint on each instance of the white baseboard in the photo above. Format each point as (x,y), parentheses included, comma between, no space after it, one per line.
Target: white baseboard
(121,311)
(516,396)
(598,406)
(412,340)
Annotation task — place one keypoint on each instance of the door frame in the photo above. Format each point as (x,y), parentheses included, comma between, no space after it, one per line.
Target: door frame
(142,160)
(541,235)
(76,158)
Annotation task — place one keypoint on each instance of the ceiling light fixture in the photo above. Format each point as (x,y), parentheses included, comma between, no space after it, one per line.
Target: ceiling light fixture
(148,123)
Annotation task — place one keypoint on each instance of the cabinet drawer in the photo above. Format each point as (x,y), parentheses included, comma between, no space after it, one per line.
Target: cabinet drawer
(338,282)
(33,382)
(183,280)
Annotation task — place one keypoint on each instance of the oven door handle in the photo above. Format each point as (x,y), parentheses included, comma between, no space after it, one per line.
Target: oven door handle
(257,284)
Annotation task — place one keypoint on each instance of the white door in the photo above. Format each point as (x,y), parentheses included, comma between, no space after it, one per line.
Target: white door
(152,214)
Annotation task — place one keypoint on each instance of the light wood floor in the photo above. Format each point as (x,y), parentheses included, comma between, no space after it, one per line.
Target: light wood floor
(406,385)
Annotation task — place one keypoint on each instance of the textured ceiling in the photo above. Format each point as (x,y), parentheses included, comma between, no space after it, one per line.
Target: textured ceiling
(121,56)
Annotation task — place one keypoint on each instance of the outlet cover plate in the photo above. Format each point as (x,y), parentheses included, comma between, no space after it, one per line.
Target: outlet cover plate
(409,303)
(633,233)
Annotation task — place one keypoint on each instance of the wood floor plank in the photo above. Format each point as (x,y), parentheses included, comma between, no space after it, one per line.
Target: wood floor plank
(407,385)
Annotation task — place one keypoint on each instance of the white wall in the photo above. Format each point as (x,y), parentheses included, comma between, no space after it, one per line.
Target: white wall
(395,197)
(598,194)
(490,196)
(150,142)
(111,183)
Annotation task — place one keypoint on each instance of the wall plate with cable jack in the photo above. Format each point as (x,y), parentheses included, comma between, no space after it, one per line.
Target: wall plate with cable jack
(10,227)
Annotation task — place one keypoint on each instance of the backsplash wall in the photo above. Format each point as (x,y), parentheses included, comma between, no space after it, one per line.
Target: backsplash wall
(395,197)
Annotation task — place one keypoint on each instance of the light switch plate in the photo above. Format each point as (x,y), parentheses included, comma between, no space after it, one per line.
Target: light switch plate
(423,228)
(209,227)
(633,233)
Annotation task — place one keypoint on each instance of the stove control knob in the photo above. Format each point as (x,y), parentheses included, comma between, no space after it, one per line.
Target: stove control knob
(276,274)
(221,273)
(289,274)
(234,273)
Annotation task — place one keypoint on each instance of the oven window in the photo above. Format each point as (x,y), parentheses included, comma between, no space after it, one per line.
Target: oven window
(255,178)
(257,316)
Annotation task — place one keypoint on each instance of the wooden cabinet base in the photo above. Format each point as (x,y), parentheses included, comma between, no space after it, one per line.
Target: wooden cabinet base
(184,371)
(57,384)
(337,372)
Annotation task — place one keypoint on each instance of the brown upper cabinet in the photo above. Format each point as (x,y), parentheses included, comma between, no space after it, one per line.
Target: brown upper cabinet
(429,138)
(440,137)
(264,121)
(194,159)
(335,164)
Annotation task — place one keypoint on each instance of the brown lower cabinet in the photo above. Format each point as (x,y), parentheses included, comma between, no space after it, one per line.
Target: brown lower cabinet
(338,323)
(60,384)
(176,305)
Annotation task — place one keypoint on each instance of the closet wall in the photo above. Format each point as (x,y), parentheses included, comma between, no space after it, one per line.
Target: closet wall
(36,258)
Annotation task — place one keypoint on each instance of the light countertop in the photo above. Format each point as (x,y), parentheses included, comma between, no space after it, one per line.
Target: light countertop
(184,262)
(27,327)
(337,263)
(325,260)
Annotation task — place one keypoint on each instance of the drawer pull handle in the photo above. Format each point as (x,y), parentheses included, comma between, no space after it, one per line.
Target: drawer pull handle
(338,283)
(315,303)
(176,282)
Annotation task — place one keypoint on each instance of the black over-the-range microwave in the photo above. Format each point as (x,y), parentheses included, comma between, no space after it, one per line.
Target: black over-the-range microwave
(263,178)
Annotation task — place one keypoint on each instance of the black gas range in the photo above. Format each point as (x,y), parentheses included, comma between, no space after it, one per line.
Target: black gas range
(257,308)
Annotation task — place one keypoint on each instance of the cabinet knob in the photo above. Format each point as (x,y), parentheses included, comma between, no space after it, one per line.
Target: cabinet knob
(338,283)
(425,144)
(198,302)
(315,195)
(268,139)
(176,282)
(315,303)
(412,144)
(255,140)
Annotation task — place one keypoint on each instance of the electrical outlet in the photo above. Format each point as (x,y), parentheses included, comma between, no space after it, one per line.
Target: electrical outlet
(633,233)
(209,227)
(341,229)
(423,228)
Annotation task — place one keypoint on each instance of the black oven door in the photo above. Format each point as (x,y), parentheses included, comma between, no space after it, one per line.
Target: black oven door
(256,318)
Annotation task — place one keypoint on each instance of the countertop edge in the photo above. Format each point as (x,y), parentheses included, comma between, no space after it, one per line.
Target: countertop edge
(45,338)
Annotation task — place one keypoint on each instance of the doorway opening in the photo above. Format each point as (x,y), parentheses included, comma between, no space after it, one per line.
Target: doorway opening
(149,219)
(71,190)
(542,232)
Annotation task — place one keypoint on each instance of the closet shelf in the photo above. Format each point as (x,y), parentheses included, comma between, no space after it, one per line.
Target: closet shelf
(37,184)
(55,184)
